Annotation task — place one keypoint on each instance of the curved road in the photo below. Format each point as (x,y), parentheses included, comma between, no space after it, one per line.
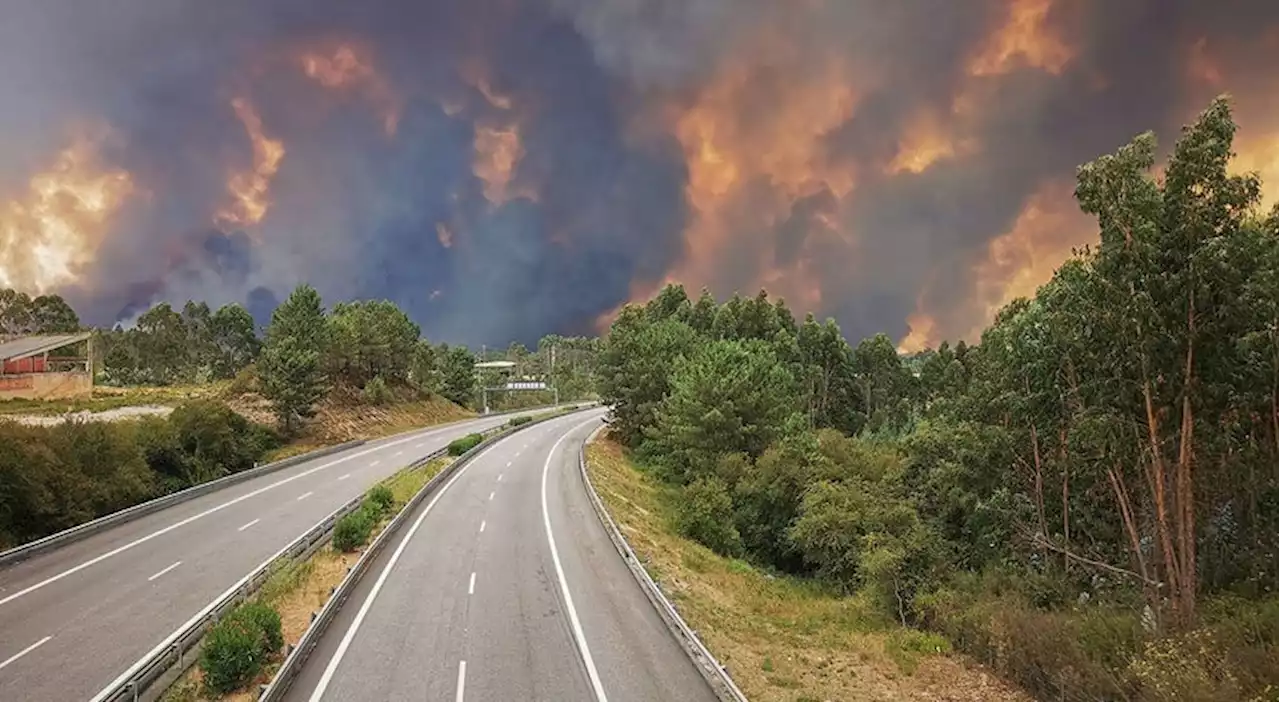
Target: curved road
(73,619)
(503,586)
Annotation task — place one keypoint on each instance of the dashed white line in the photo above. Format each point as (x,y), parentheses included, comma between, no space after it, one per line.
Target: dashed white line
(304,496)
(336,660)
(399,453)
(374,463)
(508,464)
(471,589)
(462,680)
(246,526)
(45,640)
(482,523)
(344,476)
(166,570)
(579,637)
(499,477)
(491,496)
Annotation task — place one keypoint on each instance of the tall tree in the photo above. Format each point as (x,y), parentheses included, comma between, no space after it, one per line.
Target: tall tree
(290,370)
(234,340)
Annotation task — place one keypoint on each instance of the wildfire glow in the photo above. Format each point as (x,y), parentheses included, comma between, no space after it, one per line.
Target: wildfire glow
(729,157)
(250,189)
(1024,40)
(924,142)
(51,231)
(346,67)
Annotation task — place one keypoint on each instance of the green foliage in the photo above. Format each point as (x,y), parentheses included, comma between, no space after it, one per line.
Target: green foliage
(237,647)
(727,397)
(369,340)
(704,513)
(519,421)
(381,498)
(290,365)
(457,447)
(53,478)
(377,392)
(167,346)
(21,314)
(353,529)
(456,366)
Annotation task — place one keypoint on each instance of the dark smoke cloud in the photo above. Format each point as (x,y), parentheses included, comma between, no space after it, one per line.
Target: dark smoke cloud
(599,208)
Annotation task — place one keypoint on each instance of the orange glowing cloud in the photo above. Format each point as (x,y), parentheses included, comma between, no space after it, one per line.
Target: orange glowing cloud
(497,152)
(925,141)
(444,235)
(1023,40)
(51,231)
(250,189)
(727,153)
(347,67)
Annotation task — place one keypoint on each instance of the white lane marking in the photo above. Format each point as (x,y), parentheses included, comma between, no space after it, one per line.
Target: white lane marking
(165,530)
(166,570)
(375,462)
(399,453)
(304,496)
(499,477)
(508,464)
(491,496)
(471,589)
(344,476)
(382,579)
(462,679)
(578,636)
(246,526)
(482,522)
(27,650)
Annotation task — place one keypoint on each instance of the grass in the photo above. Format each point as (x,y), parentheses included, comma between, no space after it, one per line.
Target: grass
(782,638)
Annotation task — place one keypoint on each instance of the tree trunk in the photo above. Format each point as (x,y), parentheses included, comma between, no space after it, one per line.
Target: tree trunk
(1184,489)
(1035,449)
(1158,481)
(1066,491)
(1131,530)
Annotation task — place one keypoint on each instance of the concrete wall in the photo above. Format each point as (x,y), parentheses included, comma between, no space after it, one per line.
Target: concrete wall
(46,386)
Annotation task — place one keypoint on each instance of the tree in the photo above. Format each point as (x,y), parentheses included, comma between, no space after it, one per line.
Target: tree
(234,340)
(369,339)
(457,373)
(289,368)
(636,366)
(45,314)
(726,397)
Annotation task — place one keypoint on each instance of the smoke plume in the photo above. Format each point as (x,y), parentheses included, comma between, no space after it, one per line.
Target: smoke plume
(504,169)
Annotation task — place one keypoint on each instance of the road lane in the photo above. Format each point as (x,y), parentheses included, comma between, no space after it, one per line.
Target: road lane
(99,610)
(473,606)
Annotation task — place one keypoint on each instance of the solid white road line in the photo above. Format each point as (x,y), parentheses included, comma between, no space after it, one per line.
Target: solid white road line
(576,625)
(471,589)
(304,496)
(382,579)
(165,530)
(36,645)
(246,526)
(462,680)
(344,476)
(166,570)
(481,526)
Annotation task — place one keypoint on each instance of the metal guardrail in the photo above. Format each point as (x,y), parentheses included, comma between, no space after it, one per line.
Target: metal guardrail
(297,658)
(716,675)
(82,531)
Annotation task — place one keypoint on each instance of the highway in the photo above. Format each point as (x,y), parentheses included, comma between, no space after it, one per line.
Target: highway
(73,619)
(503,586)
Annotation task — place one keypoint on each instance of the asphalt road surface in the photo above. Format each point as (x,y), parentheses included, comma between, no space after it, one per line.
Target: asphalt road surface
(471,601)
(73,619)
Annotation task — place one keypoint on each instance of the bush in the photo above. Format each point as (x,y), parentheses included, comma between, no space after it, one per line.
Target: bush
(237,647)
(380,498)
(353,530)
(377,392)
(704,513)
(457,447)
(519,421)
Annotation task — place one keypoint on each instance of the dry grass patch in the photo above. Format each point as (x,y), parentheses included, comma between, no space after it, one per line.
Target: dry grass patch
(783,639)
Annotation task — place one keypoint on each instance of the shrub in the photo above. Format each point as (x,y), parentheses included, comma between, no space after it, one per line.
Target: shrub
(704,513)
(519,421)
(457,447)
(237,647)
(380,498)
(352,530)
(377,392)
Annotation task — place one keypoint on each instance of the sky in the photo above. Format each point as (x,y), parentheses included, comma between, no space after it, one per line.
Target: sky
(504,169)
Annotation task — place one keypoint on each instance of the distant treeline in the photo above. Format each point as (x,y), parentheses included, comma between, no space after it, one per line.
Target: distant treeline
(52,478)
(1086,500)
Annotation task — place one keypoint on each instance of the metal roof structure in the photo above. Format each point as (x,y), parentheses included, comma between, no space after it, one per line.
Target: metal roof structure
(28,346)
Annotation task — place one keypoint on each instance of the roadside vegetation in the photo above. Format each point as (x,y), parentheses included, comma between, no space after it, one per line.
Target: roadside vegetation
(1085,501)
